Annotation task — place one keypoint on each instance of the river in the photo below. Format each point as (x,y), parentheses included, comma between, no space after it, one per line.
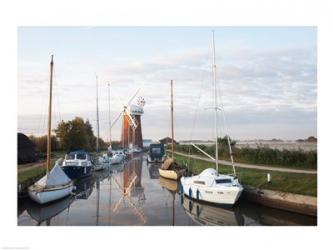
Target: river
(134,194)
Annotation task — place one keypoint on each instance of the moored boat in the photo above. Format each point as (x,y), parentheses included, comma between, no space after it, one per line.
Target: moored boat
(212,187)
(156,153)
(55,184)
(171,170)
(209,185)
(77,164)
(113,157)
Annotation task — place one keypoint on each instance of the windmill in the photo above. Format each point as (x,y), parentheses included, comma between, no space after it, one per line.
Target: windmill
(131,135)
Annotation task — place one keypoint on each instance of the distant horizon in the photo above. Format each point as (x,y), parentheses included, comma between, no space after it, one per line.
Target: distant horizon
(267,78)
(106,139)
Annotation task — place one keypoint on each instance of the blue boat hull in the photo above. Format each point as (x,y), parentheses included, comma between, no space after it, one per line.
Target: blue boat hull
(75,172)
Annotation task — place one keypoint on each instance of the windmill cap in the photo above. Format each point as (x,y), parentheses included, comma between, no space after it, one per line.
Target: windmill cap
(136,110)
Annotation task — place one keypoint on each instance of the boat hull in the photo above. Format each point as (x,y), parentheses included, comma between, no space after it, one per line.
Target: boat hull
(155,159)
(171,174)
(215,195)
(49,195)
(115,160)
(100,167)
(77,172)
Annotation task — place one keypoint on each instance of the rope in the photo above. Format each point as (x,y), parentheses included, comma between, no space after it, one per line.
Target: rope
(199,98)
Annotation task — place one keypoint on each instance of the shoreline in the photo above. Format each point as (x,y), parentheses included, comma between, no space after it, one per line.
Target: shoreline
(302,204)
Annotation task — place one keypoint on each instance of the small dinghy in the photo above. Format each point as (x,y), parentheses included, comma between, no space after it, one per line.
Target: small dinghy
(55,184)
(171,170)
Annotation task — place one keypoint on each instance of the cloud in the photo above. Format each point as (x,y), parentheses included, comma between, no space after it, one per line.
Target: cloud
(259,85)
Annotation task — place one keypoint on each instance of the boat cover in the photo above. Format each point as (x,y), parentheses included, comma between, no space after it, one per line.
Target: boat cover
(55,177)
(167,164)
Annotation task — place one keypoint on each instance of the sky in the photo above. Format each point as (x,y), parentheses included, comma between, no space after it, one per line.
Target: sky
(266,76)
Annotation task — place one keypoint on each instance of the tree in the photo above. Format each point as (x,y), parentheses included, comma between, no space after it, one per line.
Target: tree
(76,134)
(41,143)
(223,141)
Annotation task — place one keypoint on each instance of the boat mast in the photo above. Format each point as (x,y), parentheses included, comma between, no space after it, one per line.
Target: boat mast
(48,159)
(97,117)
(172,131)
(109,115)
(216,109)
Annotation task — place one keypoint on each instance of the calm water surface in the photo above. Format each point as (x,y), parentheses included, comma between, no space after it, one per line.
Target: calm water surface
(134,194)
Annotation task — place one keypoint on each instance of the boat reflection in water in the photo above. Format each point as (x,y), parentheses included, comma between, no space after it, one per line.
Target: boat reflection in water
(173,187)
(84,188)
(45,213)
(209,215)
(153,170)
(128,195)
(98,178)
(131,188)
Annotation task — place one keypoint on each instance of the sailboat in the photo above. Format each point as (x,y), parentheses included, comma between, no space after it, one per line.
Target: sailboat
(55,184)
(101,161)
(209,185)
(170,169)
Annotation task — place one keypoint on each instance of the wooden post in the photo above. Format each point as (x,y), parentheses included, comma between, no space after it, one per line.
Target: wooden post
(48,159)
(172,132)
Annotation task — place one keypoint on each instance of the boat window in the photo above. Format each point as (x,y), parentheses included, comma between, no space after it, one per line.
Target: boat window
(156,150)
(70,157)
(81,156)
(220,181)
(199,182)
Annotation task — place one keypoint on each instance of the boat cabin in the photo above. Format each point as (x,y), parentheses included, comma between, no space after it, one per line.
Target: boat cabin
(156,152)
(78,158)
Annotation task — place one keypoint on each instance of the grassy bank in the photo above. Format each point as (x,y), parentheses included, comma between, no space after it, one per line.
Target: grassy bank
(305,184)
(37,168)
(260,156)
(25,175)
(34,169)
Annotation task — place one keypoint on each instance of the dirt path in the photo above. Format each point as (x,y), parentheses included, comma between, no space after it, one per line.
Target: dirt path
(29,166)
(250,166)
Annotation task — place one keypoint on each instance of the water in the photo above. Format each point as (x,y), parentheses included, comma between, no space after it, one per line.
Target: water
(134,194)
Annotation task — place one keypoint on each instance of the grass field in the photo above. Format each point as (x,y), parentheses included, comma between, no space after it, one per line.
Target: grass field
(261,156)
(25,175)
(305,184)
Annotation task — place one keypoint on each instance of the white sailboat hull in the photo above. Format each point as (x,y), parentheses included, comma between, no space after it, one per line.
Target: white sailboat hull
(115,160)
(212,187)
(48,195)
(220,195)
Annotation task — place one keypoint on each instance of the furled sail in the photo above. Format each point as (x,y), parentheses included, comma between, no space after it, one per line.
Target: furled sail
(55,177)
